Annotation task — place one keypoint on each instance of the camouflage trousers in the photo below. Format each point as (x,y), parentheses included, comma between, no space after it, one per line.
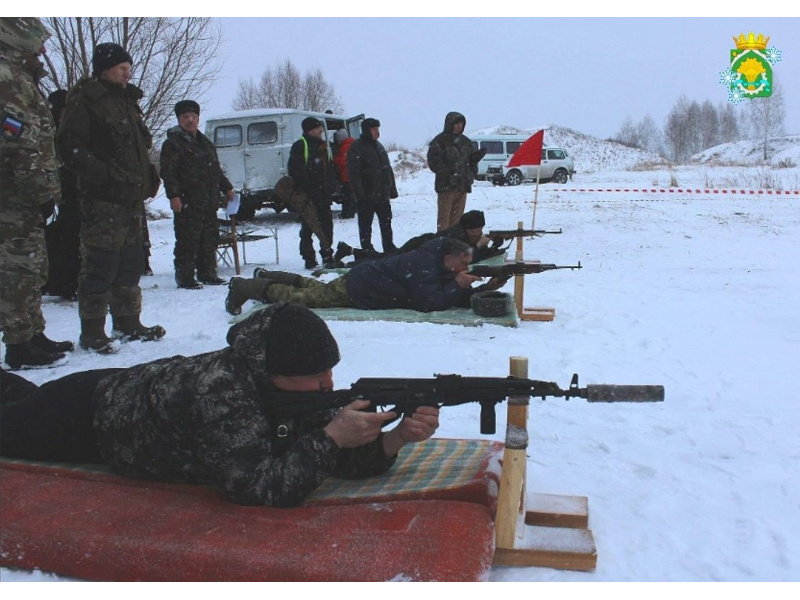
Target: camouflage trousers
(319,221)
(196,238)
(312,293)
(112,258)
(23,271)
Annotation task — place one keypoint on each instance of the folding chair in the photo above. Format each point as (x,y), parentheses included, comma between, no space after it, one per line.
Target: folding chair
(227,243)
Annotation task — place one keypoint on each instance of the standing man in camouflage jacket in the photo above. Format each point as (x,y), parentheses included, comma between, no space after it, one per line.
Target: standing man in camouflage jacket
(193,180)
(209,419)
(28,179)
(104,140)
(451,157)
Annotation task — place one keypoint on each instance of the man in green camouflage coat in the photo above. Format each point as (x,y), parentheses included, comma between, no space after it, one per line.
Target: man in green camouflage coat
(28,179)
(193,180)
(103,139)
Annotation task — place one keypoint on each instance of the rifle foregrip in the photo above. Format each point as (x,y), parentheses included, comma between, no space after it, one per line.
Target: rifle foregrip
(625,393)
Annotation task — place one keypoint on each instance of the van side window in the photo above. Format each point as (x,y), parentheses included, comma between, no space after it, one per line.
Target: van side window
(493,147)
(262,133)
(512,147)
(556,154)
(228,135)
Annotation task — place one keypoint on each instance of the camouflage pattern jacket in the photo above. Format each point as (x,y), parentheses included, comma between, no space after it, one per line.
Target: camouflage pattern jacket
(207,419)
(28,130)
(449,157)
(103,139)
(191,170)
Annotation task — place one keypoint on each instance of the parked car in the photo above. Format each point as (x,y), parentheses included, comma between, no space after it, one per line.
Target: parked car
(557,164)
(253,148)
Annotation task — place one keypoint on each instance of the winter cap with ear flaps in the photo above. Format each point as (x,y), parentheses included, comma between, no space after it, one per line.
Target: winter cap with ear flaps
(186,106)
(472,219)
(368,124)
(310,123)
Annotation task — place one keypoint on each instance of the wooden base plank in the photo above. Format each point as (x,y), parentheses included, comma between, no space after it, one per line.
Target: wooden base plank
(551,510)
(553,547)
(537,314)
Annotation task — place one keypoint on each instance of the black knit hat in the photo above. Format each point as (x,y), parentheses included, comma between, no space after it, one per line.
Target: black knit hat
(310,123)
(108,55)
(58,98)
(368,124)
(472,219)
(186,106)
(299,343)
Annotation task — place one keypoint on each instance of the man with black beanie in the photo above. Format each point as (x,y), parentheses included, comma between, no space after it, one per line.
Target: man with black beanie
(312,169)
(373,185)
(207,419)
(194,182)
(104,140)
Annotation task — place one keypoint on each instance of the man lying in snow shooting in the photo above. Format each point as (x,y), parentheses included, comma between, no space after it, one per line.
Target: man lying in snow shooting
(207,418)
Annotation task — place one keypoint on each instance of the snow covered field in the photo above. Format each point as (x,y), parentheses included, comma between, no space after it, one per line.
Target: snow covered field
(695,292)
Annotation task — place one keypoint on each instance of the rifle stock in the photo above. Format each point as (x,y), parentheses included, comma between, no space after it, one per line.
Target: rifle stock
(404,396)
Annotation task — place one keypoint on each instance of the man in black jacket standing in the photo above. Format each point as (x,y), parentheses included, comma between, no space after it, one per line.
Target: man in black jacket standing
(193,181)
(312,169)
(372,181)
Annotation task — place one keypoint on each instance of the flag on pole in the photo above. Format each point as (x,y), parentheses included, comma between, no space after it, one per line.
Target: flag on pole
(530,152)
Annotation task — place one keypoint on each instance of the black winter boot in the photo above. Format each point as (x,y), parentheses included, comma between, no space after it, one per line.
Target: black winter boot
(28,355)
(241,290)
(94,338)
(328,262)
(41,341)
(129,329)
(292,279)
(342,251)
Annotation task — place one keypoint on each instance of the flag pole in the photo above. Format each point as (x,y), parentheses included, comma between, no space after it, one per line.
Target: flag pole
(536,197)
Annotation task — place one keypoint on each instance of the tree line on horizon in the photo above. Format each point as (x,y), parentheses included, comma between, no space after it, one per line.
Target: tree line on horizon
(692,126)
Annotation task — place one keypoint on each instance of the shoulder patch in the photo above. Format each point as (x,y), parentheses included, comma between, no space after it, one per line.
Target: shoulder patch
(11,126)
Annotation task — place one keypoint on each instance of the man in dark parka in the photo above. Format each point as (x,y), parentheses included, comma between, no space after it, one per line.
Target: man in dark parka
(373,185)
(193,181)
(451,157)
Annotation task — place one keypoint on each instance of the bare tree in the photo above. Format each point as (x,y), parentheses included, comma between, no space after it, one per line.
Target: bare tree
(709,126)
(729,130)
(649,135)
(766,117)
(627,134)
(282,86)
(173,58)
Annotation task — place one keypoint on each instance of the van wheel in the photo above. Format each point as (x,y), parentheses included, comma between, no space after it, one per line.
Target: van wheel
(560,176)
(513,177)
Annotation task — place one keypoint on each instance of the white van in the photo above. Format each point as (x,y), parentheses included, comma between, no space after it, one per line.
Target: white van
(557,165)
(253,148)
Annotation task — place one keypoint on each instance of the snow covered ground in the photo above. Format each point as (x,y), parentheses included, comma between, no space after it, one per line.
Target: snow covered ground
(695,292)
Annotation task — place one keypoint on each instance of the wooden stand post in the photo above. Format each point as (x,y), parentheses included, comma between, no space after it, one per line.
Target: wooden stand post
(540,530)
(527,313)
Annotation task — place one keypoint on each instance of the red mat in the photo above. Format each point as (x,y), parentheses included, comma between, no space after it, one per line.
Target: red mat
(99,526)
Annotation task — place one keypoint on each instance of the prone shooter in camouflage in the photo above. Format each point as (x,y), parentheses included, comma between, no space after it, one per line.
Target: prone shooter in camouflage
(193,180)
(28,179)
(103,139)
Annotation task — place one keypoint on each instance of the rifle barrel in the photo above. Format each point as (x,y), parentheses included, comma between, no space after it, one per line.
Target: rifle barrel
(624,393)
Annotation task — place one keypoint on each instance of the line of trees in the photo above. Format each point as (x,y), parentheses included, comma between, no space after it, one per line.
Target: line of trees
(283,86)
(691,127)
(173,58)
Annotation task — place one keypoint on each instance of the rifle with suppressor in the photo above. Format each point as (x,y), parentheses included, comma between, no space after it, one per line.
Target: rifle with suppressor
(520,267)
(404,396)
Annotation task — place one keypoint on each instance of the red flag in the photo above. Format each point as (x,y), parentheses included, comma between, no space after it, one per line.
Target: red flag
(530,153)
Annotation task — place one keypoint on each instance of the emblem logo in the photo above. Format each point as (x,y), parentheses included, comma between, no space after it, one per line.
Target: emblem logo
(750,73)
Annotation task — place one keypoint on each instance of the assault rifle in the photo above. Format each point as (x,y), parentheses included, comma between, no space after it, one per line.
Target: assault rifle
(520,267)
(404,396)
(498,236)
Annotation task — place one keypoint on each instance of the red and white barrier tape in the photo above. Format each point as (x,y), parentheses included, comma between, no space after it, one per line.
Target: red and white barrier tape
(732,192)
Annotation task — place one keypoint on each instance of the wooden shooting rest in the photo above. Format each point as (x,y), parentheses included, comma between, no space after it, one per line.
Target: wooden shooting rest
(536,530)
(527,313)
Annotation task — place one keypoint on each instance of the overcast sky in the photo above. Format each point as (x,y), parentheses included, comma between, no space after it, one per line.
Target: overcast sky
(582,73)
